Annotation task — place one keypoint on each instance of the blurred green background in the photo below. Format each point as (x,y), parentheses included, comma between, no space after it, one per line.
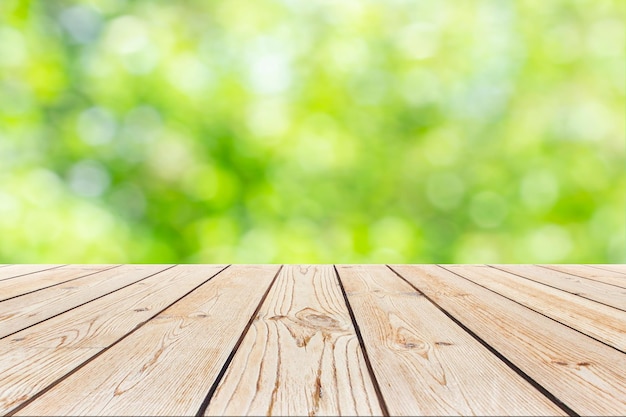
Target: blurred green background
(312,131)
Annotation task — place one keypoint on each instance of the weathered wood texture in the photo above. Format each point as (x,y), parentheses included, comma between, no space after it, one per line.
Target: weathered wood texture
(424,362)
(21,312)
(36,357)
(584,374)
(312,363)
(599,321)
(169,363)
(312,340)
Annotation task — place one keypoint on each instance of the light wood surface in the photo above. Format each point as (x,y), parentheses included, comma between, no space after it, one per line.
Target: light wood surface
(170,363)
(34,358)
(584,374)
(21,312)
(597,320)
(583,287)
(610,267)
(312,361)
(602,275)
(368,340)
(424,362)
(12,271)
(36,281)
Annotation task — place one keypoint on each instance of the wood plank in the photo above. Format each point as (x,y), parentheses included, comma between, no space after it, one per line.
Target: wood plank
(301,355)
(168,365)
(34,358)
(583,373)
(21,312)
(613,278)
(424,362)
(39,280)
(592,290)
(12,271)
(599,321)
(621,268)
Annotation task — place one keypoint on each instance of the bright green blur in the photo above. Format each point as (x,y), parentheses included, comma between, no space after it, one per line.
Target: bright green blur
(303,131)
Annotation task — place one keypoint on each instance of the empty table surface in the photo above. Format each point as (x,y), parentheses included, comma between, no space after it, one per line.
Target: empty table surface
(312,340)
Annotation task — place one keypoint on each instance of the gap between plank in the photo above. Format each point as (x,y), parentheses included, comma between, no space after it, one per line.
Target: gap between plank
(28,273)
(578,276)
(86,302)
(59,283)
(531,309)
(556,288)
(220,375)
(491,349)
(357,329)
(137,327)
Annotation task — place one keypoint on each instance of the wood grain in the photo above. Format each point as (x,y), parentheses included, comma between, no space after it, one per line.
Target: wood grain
(583,373)
(167,366)
(115,343)
(602,322)
(592,290)
(21,312)
(301,355)
(608,277)
(34,358)
(39,280)
(12,271)
(425,363)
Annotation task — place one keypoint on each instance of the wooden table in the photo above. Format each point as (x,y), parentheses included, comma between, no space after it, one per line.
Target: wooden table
(312,339)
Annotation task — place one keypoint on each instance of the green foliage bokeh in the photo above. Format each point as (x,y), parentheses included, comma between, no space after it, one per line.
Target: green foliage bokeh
(312,131)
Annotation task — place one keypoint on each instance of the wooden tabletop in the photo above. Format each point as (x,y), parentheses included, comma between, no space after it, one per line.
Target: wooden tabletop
(184,340)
